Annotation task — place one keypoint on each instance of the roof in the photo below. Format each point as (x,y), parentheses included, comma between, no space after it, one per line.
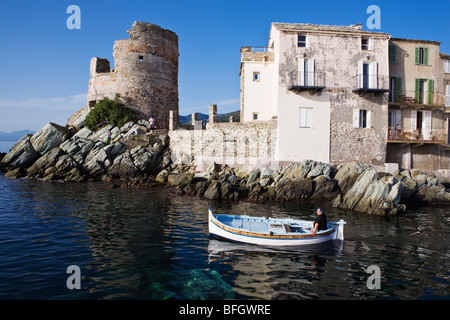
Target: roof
(305,27)
(416,41)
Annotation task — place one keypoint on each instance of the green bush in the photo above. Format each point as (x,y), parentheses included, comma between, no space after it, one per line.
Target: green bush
(109,111)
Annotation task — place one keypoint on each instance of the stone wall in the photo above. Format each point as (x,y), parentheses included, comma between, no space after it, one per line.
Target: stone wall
(145,73)
(349,142)
(232,143)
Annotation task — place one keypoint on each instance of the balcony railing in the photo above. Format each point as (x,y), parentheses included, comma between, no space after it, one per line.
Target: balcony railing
(371,83)
(418,135)
(412,97)
(300,81)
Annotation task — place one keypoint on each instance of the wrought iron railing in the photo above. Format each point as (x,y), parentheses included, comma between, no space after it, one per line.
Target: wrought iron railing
(301,79)
(418,97)
(418,135)
(371,82)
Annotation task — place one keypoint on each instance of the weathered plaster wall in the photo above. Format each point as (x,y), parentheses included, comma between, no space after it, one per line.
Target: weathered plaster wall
(337,55)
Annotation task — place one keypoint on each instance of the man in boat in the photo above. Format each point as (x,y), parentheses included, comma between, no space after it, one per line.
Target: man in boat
(320,223)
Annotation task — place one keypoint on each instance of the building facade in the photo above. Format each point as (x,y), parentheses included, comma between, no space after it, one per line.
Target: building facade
(418,118)
(327,87)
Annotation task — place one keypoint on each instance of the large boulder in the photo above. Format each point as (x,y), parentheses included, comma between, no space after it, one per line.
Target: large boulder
(49,137)
(372,195)
(22,154)
(79,118)
(179,179)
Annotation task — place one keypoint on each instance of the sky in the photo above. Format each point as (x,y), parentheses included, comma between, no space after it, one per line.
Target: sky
(44,65)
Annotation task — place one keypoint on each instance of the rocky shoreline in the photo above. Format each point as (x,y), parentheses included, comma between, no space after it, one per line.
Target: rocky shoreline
(133,157)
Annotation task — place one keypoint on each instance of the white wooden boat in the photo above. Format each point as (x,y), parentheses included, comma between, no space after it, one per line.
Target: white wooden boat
(271,231)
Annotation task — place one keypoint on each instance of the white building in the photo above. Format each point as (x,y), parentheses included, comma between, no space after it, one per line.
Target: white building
(327,86)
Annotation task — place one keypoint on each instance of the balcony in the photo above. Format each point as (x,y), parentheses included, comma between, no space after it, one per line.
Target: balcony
(306,81)
(369,83)
(419,136)
(418,99)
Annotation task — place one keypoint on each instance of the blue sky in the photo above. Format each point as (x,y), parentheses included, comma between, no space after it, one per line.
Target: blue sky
(44,66)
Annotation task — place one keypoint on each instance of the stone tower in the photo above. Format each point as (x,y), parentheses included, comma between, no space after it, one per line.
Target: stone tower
(145,74)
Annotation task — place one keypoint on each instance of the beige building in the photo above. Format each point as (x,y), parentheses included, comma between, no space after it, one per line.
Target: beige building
(327,86)
(418,118)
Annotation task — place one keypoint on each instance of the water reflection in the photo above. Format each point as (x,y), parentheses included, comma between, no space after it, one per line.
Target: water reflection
(151,244)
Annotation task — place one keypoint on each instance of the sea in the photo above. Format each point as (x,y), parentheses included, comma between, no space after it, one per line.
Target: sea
(97,241)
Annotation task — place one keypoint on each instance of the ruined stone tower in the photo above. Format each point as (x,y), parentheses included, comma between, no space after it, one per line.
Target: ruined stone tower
(145,74)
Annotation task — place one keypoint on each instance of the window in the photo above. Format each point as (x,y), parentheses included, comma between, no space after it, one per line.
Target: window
(424,93)
(255,115)
(421,56)
(305,68)
(392,53)
(395,89)
(301,41)
(255,76)
(305,117)
(367,75)
(421,124)
(361,118)
(365,45)
(447,66)
(141,58)
(447,95)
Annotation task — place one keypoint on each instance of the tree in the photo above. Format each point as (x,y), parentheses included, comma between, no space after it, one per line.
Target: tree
(109,111)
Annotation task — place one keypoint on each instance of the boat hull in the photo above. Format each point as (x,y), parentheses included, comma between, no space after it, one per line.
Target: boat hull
(217,228)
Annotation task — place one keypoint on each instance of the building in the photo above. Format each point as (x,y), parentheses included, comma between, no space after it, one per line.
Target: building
(145,73)
(418,118)
(327,87)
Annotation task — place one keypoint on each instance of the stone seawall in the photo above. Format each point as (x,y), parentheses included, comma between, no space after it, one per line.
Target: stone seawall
(252,144)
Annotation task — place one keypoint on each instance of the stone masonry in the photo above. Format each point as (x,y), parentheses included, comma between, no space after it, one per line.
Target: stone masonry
(145,73)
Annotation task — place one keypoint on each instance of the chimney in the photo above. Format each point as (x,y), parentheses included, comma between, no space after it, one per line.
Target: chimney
(358,26)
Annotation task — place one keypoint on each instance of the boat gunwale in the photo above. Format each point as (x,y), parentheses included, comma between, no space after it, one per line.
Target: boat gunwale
(219,224)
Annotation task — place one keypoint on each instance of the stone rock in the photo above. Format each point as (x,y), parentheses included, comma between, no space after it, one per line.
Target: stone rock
(123,166)
(49,137)
(179,179)
(372,195)
(162,176)
(253,176)
(142,158)
(22,154)
(325,187)
(79,118)
(267,172)
(294,190)
(213,191)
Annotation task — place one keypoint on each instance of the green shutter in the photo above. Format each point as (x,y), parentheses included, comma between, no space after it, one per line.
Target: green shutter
(425,56)
(392,53)
(398,89)
(417,56)
(430,92)
(416,96)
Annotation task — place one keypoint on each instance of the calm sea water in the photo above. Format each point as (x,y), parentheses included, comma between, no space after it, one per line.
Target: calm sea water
(151,244)
(5,146)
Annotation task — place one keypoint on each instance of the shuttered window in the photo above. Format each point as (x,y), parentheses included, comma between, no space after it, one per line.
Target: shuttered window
(305,117)
(421,56)
(392,53)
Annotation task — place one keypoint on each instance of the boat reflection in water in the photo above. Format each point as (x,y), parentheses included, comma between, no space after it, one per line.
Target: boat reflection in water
(257,268)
